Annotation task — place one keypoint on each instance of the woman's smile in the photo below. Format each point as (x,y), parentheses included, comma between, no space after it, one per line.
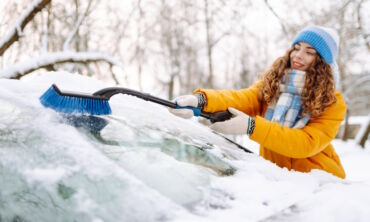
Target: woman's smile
(297,65)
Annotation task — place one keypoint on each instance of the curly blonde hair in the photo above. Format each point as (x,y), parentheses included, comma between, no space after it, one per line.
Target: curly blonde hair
(319,87)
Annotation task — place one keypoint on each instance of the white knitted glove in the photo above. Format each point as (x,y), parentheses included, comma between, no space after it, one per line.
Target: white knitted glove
(238,124)
(186,100)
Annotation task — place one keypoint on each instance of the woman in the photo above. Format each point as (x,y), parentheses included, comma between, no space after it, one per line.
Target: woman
(294,112)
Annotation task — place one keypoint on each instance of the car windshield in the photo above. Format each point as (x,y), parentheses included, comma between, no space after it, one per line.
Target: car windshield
(142,163)
(104,165)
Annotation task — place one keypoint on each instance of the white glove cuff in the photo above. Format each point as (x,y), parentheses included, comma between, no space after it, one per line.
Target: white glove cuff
(202,100)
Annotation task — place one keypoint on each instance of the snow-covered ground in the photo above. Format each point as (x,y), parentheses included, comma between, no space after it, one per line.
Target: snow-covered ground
(154,170)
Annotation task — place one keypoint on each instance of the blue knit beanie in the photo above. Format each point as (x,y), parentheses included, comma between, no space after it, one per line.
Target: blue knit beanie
(324,40)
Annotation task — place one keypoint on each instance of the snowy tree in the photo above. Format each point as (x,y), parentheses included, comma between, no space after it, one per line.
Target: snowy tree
(42,18)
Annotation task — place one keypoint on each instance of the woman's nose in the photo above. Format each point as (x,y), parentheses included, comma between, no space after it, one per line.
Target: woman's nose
(298,54)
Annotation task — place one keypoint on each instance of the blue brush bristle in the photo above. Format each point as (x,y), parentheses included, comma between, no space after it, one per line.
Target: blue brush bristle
(74,104)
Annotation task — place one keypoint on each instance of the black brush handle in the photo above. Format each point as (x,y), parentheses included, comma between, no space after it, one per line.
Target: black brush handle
(217,116)
(107,93)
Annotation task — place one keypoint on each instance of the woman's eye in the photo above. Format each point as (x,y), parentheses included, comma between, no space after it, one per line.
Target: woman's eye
(310,53)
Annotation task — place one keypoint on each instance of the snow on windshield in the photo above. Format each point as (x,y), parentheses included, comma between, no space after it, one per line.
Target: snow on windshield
(148,165)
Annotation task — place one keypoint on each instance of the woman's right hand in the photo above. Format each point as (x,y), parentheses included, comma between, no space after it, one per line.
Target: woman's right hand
(186,100)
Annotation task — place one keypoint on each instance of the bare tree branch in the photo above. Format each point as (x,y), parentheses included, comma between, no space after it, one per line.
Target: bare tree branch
(209,44)
(214,43)
(77,26)
(46,20)
(363,133)
(355,84)
(364,35)
(46,60)
(112,74)
(16,31)
(277,16)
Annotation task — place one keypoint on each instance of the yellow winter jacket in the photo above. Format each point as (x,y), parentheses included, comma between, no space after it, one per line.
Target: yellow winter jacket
(298,149)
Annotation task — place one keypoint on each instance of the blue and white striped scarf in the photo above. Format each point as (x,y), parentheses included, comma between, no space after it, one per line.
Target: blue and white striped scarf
(287,111)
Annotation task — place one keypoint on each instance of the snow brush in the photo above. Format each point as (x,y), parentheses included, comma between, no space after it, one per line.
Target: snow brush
(97,103)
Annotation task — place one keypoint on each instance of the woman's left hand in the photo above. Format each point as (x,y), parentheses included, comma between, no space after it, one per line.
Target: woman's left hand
(238,124)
